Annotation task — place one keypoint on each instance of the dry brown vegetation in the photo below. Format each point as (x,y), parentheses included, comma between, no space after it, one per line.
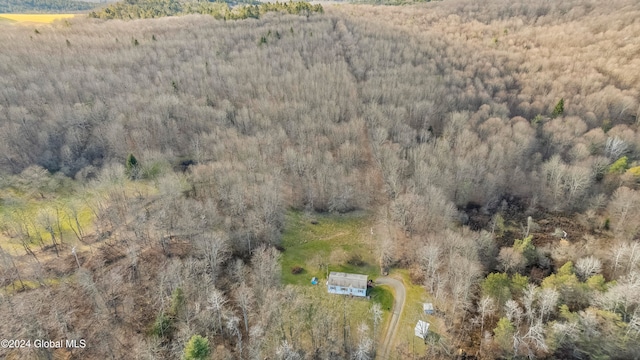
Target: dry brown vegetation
(519,214)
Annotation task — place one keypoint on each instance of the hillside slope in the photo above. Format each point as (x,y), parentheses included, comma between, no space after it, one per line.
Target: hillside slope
(493,148)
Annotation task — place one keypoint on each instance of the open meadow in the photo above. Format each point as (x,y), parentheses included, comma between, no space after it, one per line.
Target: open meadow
(34,18)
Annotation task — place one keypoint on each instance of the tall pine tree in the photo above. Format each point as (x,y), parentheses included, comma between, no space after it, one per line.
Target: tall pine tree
(559,109)
(131,167)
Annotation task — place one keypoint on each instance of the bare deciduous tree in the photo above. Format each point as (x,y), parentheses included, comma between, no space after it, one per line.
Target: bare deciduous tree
(217,304)
(486,307)
(588,266)
(243,296)
(215,249)
(624,210)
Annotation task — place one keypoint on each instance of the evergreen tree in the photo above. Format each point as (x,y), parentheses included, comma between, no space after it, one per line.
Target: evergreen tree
(526,248)
(559,109)
(496,285)
(503,335)
(177,301)
(131,167)
(197,348)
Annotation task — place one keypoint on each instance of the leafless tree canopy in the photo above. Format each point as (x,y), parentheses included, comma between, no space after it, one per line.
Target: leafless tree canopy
(521,222)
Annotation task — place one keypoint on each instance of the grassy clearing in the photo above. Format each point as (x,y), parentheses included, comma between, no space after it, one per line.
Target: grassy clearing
(356,308)
(31,214)
(416,295)
(35,18)
(314,241)
(356,312)
(383,295)
(23,213)
(27,284)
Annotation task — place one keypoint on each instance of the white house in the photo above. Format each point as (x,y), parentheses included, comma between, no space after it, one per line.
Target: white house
(347,284)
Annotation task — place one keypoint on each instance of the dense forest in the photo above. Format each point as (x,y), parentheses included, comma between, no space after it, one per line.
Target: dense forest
(150,169)
(44,6)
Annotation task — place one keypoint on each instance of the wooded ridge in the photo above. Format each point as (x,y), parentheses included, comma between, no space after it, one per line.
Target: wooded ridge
(164,181)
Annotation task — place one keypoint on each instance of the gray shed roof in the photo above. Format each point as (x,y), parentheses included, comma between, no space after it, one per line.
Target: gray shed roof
(355,281)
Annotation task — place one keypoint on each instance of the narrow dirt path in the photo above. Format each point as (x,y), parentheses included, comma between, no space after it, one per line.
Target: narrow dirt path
(396,312)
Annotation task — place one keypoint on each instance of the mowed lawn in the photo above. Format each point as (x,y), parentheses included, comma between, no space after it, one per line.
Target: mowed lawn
(314,241)
(35,18)
(416,295)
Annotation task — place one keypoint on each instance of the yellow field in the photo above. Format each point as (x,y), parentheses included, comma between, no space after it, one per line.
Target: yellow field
(35,18)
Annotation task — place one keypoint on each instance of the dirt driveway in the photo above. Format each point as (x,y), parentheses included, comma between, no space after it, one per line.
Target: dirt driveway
(396,311)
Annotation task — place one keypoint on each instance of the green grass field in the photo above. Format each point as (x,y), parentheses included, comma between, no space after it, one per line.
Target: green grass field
(382,295)
(21,210)
(311,240)
(26,212)
(356,310)
(416,295)
(26,284)
(334,239)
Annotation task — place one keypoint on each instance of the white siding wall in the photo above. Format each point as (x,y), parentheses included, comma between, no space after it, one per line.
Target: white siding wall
(346,291)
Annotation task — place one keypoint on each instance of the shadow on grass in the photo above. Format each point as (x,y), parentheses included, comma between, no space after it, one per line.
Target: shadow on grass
(382,295)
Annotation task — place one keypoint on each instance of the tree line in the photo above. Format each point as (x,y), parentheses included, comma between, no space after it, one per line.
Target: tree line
(142,9)
(44,6)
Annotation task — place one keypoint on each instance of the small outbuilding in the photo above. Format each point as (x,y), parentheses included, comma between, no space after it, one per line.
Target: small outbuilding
(347,284)
(422,329)
(428,308)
